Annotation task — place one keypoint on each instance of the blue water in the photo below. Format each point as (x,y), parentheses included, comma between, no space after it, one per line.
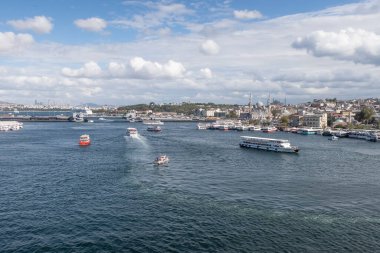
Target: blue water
(212,197)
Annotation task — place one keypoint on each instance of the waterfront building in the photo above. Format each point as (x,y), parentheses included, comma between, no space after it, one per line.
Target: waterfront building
(295,120)
(208,113)
(315,120)
(220,114)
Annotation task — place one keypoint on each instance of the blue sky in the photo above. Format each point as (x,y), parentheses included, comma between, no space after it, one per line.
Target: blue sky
(123,52)
(64,12)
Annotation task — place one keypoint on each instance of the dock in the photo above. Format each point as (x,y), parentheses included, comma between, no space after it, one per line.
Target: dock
(20,118)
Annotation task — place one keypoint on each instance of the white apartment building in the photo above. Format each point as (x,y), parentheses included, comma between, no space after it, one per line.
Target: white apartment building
(315,120)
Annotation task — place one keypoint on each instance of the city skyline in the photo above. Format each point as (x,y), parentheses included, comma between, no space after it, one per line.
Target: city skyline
(127,52)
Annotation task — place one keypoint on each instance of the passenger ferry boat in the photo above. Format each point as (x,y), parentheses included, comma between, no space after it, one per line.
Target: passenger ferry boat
(268,144)
(84,140)
(364,135)
(132,132)
(161,160)
(307,131)
(154,128)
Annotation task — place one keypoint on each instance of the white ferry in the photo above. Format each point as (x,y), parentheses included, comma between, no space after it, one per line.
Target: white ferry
(276,145)
(152,122)
(132,132)
(307,131)
(365,135)
(359,135)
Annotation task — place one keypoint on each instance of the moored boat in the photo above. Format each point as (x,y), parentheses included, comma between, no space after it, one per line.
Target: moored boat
(84,140)
(269,129)
(224,127)
(307,131)
(201,126)
(155,128)
(277,145)
(254,128)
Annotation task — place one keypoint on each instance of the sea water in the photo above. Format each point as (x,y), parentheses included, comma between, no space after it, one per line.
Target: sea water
(212,197)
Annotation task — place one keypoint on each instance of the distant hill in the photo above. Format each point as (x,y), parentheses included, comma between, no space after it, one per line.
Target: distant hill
(89,105)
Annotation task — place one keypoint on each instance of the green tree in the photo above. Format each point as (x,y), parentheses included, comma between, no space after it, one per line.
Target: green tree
(284,120)
(275,112)
(365,115)
(232,115)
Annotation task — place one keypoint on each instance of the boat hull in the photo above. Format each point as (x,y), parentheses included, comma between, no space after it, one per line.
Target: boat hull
(84,143)
(269,148)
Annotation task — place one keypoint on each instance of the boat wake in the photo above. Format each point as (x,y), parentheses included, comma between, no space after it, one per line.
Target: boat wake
(137,139)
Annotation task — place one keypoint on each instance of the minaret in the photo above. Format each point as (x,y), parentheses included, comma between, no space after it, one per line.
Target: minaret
(250,103)
(268,105)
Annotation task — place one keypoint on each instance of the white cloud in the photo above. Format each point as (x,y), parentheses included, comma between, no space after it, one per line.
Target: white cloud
(90,69)
(350,44)
(175,8)
(90,91)
(209,47)
(91,24)
(117,69)
(246,14)
(3,70)
(10,41)
(256,57)
(148,70)
(206,72)
(158,16)
(38,24)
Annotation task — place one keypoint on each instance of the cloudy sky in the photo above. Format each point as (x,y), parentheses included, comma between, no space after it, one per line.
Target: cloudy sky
(126,52)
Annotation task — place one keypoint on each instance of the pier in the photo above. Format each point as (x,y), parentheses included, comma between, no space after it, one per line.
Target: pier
(20,118)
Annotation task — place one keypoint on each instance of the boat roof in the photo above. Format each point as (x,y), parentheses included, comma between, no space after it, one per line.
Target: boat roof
(131,128)
(264,139)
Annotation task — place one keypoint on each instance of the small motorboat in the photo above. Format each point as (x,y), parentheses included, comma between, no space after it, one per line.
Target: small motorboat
(154,128)
(333,138)
(84,140)
(131,132)
(161,160)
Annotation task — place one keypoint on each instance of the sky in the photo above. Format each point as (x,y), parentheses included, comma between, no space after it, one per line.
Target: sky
(124,52)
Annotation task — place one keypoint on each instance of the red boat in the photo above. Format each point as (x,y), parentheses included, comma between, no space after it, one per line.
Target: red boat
(84,140)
